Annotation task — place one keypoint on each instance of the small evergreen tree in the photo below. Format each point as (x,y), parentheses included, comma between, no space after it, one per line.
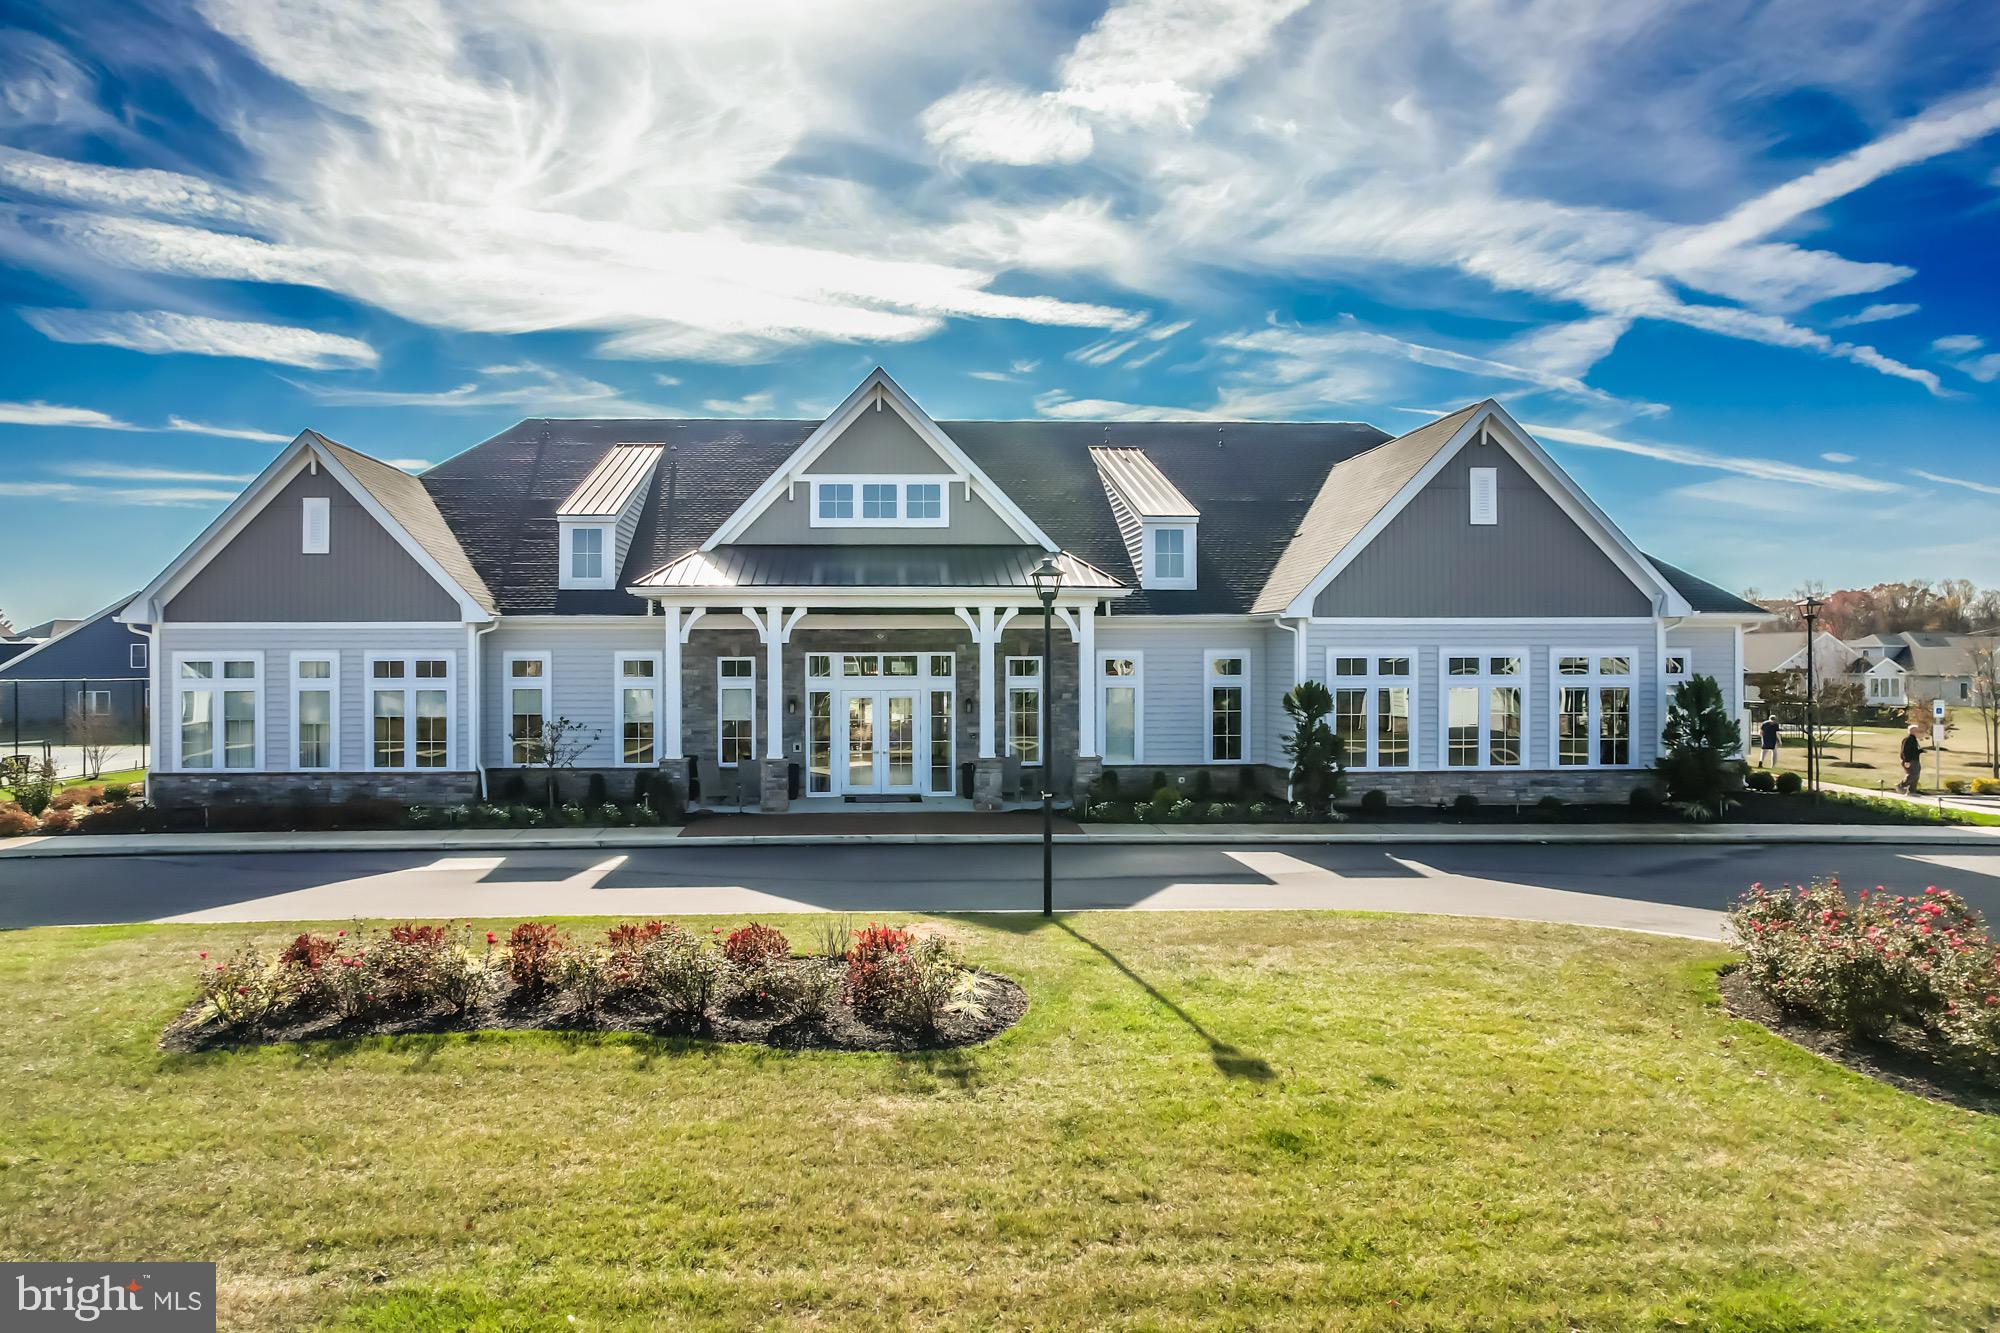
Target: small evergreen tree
(1318,765)
(1701,750)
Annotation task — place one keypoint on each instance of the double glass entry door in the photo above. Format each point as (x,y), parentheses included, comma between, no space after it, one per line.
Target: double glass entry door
(882,746)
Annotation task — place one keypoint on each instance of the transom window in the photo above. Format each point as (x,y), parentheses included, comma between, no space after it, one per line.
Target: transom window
(220,706)
(1485,698)
(1373,697)
(880,502)
(1593,708)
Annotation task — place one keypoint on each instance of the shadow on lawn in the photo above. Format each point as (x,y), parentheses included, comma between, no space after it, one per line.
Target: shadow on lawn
(1232,1062)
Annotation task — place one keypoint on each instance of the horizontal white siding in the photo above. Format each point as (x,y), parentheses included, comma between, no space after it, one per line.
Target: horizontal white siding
(581,688)
(275,644)
(1431,642)
(1711,651)
(1175,690)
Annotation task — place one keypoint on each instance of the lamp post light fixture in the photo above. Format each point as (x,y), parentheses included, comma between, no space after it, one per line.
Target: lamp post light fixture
(1047,578)
(1809,608)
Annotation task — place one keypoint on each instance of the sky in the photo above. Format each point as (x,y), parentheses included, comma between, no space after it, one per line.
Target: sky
(1732,263)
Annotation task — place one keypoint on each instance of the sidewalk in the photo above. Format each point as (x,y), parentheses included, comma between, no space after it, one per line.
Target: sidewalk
(628,839)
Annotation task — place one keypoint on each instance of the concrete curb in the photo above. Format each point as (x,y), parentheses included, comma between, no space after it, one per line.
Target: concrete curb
(615,840)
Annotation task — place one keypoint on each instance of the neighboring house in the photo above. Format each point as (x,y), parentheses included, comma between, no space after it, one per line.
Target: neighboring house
(848,605)
(1892,669)
(96,669)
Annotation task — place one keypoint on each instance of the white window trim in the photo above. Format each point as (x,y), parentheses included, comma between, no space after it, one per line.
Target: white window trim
(1210,683)
(1594,683)
(1028,683)
(1372,681)
(332,686)
(618,661)
(1485,682)
(215,685)
(608,573)
(323,507)
(1148,578)
(902,483)
(84,698)
(410,685)
(544,683)
(1137,682)
(135,656)
(739,683)
(1687,665)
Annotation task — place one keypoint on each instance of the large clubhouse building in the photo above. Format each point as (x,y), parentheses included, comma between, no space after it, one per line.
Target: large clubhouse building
(789,614)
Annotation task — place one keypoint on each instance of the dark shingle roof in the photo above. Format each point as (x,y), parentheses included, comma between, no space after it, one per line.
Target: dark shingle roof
(1704,596)
(934,566)
(412,505)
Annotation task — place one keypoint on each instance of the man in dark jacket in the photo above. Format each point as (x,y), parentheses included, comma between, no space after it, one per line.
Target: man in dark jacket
(1767,749)
(1913,761)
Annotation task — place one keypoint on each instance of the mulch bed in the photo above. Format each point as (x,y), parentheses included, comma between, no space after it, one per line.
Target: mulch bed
(1902,1060)
(1002,1002)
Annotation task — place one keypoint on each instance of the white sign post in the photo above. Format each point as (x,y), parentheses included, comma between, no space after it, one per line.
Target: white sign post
(1937,744)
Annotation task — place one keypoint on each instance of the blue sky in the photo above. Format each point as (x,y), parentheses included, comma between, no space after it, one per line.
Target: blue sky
(1733,263)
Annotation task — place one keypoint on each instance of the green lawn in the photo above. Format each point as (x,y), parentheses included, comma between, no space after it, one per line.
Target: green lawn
(1228,1120)
(125,775)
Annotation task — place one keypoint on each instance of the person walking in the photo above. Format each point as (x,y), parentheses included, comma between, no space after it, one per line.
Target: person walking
(1913,761)
(1767,736)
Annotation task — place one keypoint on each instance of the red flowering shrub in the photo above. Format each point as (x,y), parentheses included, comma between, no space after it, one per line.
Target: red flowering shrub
(249,990)
(627,936)
(755,948)
(871,960)
(429,937)
(534,954)
(308,951)
(1866,964)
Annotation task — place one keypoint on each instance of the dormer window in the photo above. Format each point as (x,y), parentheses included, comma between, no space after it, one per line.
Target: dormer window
(586,554)
(1169,556)
(879,502)
(1156,520)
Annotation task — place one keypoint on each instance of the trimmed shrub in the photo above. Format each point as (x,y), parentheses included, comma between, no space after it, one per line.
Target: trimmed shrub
(1549,808)
(1465,803)
(308,951)
(117,817)
(1956,786)
(1166,794)
(925,983)
(34,789)
(610,815)
(571,814)
(527,816)
(680,973)
(1645,799)
(870,955)
(806,990)
(1160,780)
(514,789)
(643,816)
(58,819)
(755,949)
(1104,789)
(1374,801)
(1986,786)
(1790,784)
(70,798)
(595,793)
(1203,790)
(642,786)
(117,793)
(534,954)
(1760,779)
(14,821)
(1220,812)
(249,990)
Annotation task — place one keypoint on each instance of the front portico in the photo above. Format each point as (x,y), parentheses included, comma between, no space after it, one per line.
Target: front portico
(880,678)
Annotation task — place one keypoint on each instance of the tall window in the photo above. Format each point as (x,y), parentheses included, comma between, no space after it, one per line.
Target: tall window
(315,699)
(222,691)
(1120,707)
(1484,694)
(1170,554)
(941,739)
(409,712)
(1373,694)
(1024,709)
(736,698)
(1228,705)
(638,700)
(1593,692)
(586,554)
(527,705)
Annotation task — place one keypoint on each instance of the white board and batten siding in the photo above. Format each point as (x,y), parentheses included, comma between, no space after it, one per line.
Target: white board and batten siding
(274,645)
(1542,640)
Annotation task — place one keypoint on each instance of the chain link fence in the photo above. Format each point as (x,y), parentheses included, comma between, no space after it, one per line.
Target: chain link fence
(84,726)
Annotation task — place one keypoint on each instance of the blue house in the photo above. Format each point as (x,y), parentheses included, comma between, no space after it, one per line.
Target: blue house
(92,676)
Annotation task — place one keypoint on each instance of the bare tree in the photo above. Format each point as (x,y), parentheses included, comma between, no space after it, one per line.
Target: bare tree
(559,743)
(91,732)
(1986,700)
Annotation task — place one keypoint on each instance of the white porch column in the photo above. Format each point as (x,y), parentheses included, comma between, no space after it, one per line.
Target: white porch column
(676,635)
(774,627)
(987,624)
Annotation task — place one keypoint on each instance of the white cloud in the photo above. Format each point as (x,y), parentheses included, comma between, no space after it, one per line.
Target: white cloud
(1985,369)
(224,432)
(526,385)
(1763,496)
(130,472)
(54,414)
(1876,313)
(986,122)
(1838,458)
(1982,487)
(172,497)
(1763,469)
(996,376)
(411,464)
(1024,367)
(749,405)
(160,332)
(1059,406)
(1958,342)
(1958,348)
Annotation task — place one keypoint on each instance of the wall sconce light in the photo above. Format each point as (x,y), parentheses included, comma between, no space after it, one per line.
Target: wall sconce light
(792,706)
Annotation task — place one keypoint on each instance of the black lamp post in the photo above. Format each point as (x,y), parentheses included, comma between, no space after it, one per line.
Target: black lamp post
(1809,608)
(1047,578)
